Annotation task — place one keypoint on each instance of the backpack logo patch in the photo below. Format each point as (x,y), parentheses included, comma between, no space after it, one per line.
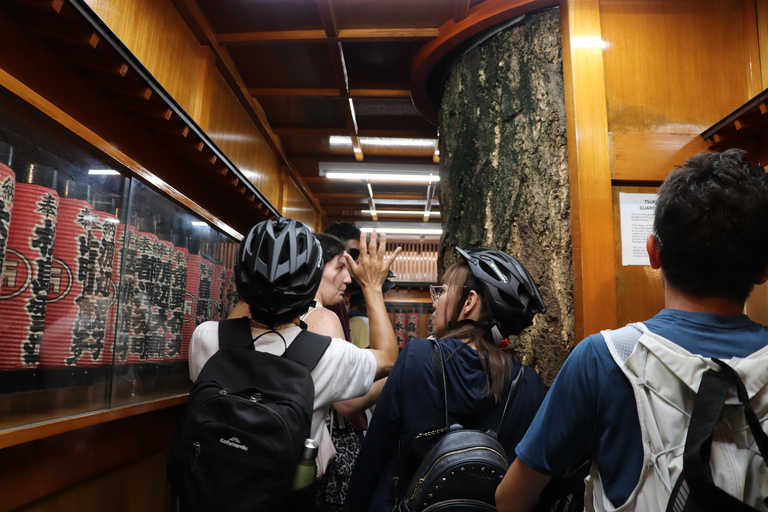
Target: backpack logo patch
(234,443)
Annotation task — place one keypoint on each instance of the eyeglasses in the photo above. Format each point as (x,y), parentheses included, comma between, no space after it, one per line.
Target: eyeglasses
(355,253)
(436,291)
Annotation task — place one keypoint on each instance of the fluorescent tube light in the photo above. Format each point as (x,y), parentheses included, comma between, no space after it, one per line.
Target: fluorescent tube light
(397,142)
(418,178)
(199,224)
(103,172)
(344,141)
(402,212)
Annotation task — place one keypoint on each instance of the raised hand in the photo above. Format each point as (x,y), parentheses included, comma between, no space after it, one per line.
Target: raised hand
(371,272)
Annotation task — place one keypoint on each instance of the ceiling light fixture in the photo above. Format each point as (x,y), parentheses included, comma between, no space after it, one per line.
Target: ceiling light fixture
(103,172)
(402,212)
(199,224)
(344,141)
(381,177)
(380,172)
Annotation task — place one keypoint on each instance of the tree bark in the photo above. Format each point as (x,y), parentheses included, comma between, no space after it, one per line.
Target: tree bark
(504,171)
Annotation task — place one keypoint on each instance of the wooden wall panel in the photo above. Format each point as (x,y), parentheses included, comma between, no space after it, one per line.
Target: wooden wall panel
(296,206)
(762,30)
(156,33)
(234,132)
(677,66)
(757,304)
(638,287)
(650,156)
(138,485)
(39,470)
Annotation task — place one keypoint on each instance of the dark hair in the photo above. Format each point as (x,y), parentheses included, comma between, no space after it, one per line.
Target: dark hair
(711,221)
(495,361)
(344,231)
(332,246)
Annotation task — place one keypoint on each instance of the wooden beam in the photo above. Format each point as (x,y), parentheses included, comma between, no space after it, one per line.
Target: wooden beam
(460,10)
(327,130)
(331,93)
(317,35)
(380,93)
(328,17)
(283,36)
(388,34)
(357,148)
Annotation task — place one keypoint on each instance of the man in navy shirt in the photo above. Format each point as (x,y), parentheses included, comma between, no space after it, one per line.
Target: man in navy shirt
(711,246)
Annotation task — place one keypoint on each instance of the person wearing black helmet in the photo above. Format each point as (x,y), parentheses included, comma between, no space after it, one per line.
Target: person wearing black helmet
(481,302)
(278,269)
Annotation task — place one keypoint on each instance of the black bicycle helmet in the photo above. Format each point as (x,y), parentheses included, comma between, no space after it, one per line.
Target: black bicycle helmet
(278,268)
(507,288)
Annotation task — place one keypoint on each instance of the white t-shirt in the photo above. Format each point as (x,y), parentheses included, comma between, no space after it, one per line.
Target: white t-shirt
(343,372)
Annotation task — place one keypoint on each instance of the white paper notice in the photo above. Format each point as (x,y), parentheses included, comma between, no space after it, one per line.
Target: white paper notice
(636,212)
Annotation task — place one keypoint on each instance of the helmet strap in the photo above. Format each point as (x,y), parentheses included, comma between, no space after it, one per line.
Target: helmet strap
(274,331)
(498,338)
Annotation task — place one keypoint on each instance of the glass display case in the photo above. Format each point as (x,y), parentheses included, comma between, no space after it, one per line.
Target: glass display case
(410,320)
(102,279)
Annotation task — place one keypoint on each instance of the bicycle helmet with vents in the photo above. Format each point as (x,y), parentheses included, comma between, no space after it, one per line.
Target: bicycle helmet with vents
(507,288)
(278,269)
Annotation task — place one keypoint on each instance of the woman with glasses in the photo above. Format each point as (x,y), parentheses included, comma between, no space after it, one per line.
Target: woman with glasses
(483,300)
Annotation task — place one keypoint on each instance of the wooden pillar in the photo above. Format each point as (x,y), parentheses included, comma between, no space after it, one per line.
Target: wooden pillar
(594,270)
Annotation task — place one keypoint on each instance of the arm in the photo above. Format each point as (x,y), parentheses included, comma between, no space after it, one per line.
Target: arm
(361,403)
(519,490)
(371,274)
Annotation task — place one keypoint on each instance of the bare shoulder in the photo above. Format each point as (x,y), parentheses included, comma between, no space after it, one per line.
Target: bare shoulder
(325,322)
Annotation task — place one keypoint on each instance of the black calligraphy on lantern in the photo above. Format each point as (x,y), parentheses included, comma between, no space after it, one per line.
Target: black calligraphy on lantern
(42,243)
(177,302)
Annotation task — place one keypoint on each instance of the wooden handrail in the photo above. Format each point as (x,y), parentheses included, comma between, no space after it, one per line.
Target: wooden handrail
(27,433)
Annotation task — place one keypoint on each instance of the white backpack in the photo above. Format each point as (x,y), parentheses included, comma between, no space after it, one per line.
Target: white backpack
(671,386)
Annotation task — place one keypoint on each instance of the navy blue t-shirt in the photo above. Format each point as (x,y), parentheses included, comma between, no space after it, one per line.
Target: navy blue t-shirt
(410,404)
(591,406)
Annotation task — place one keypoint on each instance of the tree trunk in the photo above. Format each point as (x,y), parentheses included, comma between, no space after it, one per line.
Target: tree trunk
(504,171)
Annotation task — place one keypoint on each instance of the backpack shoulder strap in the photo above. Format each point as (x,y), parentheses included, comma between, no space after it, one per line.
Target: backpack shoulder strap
(513,387)
(439,367)
(621,342)
(307,349)
(235,333)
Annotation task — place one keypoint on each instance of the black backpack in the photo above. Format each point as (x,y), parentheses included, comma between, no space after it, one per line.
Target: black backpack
(241,436)
(461,471)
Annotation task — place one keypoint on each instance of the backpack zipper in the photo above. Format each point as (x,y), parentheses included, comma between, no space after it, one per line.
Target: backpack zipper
(457,501)
(426,475)
(255,398)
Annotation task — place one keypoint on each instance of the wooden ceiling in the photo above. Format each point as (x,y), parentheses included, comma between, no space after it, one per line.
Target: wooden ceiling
(333,79)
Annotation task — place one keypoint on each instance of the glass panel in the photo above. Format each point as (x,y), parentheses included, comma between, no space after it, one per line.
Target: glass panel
(103,280)
(59,210)
(176,274)
(410,320)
